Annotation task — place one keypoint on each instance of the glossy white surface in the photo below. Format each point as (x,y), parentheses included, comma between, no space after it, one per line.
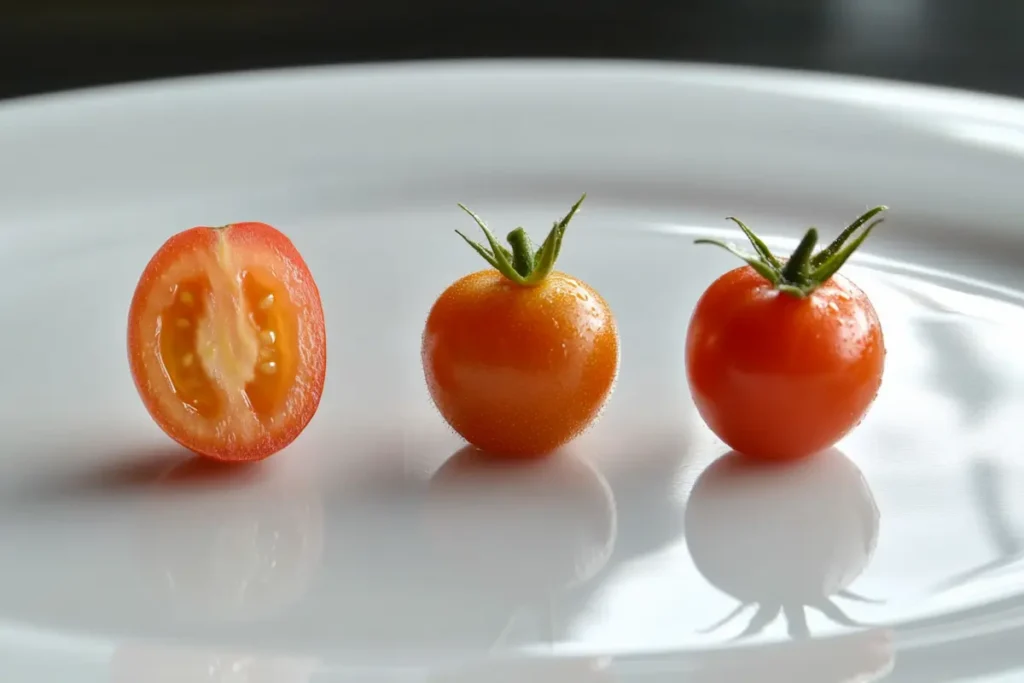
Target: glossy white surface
(358,554)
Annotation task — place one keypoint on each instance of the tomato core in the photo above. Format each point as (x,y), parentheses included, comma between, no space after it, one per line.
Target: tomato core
(190,343)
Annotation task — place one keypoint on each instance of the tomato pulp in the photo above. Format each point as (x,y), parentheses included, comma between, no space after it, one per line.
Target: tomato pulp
(519,360)
(784,359)
(226,341)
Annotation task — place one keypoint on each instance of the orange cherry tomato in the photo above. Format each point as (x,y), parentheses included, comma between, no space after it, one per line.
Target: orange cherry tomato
(520,359)
(226,341)
(785,356)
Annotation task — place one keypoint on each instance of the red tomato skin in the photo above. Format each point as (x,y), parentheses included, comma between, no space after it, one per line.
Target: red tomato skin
(296,277)
(775,376)
(519,371)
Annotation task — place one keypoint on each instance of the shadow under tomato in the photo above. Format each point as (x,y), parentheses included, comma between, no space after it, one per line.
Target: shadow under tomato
(230,542)
(782,536)
(106,475)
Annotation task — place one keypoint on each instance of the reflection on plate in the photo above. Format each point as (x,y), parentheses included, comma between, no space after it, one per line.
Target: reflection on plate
(532,527)
(782,536)
(230,542)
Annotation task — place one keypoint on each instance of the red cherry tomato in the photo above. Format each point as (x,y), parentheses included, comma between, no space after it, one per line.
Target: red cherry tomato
(520,359)
(226,341)
(784,357)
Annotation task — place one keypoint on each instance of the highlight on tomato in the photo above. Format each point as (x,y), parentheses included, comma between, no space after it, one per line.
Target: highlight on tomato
(520,358)
(784,356)
(226,341)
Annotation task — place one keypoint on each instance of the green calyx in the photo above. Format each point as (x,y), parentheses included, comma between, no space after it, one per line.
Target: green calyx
(805,270)
(524,263)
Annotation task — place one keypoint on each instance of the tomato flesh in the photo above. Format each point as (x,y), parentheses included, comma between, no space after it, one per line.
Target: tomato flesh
(777,376)
(519,370)
(226,341)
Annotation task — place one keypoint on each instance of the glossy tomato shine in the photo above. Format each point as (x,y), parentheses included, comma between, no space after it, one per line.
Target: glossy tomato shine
(226,341)
(777,376)
(519,370)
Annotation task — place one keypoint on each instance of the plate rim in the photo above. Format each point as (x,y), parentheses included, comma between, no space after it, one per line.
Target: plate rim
(829,86)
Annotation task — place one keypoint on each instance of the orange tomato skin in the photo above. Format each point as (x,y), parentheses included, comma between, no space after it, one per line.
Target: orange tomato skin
(294,275)
(775,376)
(519,370)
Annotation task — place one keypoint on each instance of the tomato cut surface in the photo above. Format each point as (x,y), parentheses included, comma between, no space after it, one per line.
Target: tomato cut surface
(226,341)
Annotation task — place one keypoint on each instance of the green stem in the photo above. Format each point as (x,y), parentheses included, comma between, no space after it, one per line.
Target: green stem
(522,264)
(804,271)
(798,264)
(522,251)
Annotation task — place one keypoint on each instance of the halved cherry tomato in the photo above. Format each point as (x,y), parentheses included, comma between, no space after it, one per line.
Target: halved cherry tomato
(520,359)
(785,356)
(226,341)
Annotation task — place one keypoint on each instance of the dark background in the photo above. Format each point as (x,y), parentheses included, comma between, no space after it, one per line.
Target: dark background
(50,45)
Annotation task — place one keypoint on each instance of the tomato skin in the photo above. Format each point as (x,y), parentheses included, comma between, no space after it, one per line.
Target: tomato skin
(776,376)
(253,244)
(519,370)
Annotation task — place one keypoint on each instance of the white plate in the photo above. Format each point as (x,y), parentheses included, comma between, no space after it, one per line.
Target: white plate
(604,563)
